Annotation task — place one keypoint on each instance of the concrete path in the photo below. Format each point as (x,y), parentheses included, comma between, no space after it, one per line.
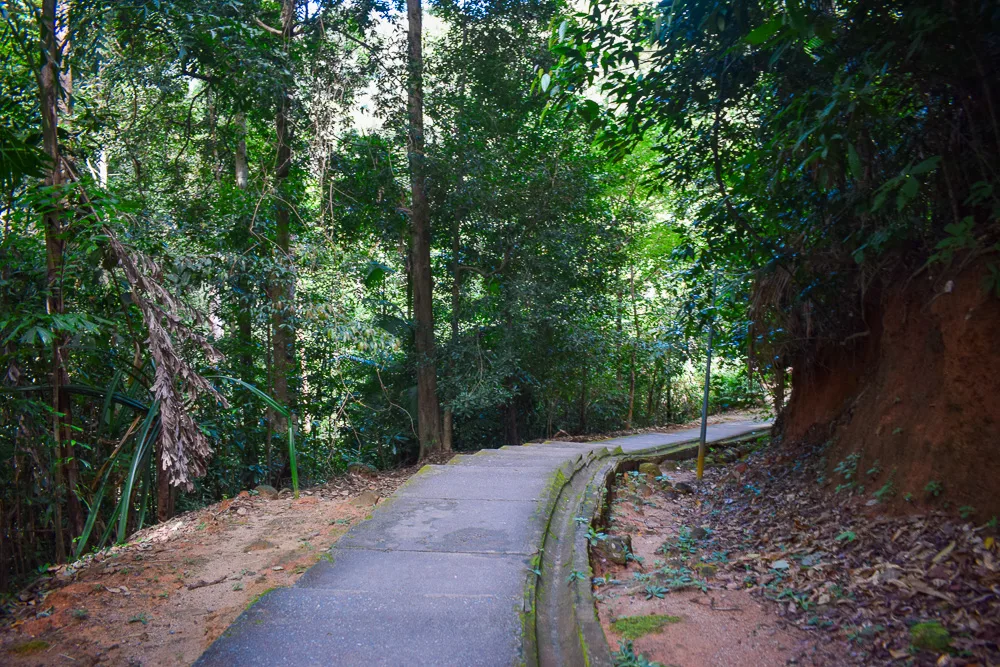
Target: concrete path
(437,576)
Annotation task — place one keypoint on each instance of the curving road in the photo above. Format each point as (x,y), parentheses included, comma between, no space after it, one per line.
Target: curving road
(437,576)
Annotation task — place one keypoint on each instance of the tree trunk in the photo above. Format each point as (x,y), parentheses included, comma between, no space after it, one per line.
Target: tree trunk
(448,431)
(428,412)
(583,402)
(164,492)
(511,434)
(281,290)
(779,387)
(53,97)
(670,407)
(654,382)
(618,329)
(242,168)
(244,305)
(635,346)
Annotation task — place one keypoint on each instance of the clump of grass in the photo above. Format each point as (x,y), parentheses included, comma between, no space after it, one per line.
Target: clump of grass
(257,597)
(30,647)
(633,627)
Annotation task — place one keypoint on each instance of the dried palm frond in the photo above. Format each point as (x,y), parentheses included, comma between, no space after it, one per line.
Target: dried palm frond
(185,451)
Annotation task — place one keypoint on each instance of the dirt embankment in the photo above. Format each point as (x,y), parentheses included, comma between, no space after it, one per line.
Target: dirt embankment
(915,399)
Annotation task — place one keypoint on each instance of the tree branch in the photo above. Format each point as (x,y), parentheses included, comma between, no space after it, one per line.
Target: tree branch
(273,31)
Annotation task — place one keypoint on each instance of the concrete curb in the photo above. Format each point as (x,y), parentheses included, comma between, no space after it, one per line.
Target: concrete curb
(579,636)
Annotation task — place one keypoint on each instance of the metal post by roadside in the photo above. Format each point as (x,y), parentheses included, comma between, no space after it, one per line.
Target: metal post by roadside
(708,376)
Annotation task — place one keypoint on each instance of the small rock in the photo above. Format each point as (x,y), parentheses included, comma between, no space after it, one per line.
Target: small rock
(366,499)
(669,465)
(266,491)
(259,545)
(698,533)
(362,470)
(614,548)
(277,568)
(811,559)
(780,565)
(241,511)
(706,571)
(741,468)
(888,574)
(730,455)
(650,469)
(683,487)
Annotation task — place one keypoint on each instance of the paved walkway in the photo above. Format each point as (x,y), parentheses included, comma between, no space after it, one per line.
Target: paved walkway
(435,577)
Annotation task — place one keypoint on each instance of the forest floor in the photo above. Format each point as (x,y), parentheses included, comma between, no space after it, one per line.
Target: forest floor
(166,595)
(764,563)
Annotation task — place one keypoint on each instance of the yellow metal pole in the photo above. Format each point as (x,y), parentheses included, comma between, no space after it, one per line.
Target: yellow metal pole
(708,377)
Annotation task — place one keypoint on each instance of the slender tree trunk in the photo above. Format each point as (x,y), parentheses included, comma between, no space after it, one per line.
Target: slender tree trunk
(164,492)
(244,303)
(635,346)
(448,434)
(54,91)
(654,382)
(428,411)
(583,401)
(448,423)
(779,387)
(511,435)
(670,407)
(213,136)
(282,285)
(242,167)
(620,305)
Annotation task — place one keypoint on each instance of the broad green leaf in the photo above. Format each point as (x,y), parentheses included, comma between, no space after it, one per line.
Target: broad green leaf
(764,32)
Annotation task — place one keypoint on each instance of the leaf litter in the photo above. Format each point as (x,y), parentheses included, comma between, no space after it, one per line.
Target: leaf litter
(868,588)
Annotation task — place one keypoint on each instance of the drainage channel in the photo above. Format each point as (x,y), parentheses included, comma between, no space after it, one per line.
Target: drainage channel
(567,630)
(558,611)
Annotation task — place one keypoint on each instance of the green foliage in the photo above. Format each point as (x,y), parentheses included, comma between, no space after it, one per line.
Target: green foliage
(887,490)
(570,294)
(930,636)
(633,627)
(626,656)
(817,156)
(848,470)
(656,592)
(933,488)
